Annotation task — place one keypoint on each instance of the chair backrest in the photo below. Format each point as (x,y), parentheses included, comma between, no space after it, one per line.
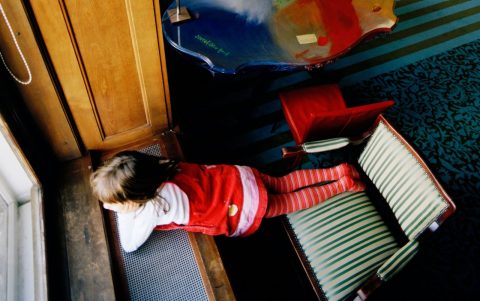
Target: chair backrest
(348,122)
(320,112)
(402,177)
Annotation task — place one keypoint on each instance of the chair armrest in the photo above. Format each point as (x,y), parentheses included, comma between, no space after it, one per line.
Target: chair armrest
(315,147)
(324,145)
(398,260)
(389,268)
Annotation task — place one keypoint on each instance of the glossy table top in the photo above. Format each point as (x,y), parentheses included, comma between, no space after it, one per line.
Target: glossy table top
(233,36)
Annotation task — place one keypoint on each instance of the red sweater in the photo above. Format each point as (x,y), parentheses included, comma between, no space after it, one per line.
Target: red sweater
(223,199)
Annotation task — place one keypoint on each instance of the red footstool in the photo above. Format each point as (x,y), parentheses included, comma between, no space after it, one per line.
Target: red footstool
(320,112)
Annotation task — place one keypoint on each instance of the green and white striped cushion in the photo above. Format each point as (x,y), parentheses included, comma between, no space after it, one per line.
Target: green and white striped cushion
(401,179)
(345,241)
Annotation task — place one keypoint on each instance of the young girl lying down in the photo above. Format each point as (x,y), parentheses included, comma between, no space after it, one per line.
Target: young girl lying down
(151,193)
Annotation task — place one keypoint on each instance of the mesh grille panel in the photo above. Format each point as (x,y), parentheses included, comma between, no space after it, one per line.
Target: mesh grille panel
(164,267)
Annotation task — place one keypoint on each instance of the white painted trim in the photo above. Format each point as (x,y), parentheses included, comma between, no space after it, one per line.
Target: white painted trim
(39,257)
(12,252)
(15,179)
(6,193)
(25,254)
(25,228)
(3,249)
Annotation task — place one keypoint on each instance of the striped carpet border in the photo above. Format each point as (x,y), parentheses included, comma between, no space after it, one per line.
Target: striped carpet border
(422,31)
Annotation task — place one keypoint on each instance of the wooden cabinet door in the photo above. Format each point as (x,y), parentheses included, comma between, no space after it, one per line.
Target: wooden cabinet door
(41,96)
(109,58)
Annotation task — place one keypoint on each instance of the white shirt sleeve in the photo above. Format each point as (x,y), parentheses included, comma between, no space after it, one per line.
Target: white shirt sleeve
(135,227)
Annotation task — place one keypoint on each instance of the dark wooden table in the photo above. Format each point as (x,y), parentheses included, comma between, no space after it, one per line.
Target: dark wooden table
(235,36)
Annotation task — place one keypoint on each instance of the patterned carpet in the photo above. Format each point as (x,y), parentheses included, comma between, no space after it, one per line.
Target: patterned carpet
(430,66)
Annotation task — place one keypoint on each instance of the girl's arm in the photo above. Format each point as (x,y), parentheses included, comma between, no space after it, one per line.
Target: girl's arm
(135,227)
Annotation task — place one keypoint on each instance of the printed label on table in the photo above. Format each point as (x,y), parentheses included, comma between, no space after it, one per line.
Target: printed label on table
(307,38)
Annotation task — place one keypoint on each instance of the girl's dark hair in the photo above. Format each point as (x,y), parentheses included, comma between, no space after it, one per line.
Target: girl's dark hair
(131,176)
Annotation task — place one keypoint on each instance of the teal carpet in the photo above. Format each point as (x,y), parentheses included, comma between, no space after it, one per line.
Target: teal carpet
(430,65)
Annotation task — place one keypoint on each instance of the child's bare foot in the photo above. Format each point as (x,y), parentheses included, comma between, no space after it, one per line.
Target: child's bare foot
(346,169)
(350,184)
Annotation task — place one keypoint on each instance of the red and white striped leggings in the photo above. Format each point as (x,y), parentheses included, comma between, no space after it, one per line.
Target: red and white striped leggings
(294,192)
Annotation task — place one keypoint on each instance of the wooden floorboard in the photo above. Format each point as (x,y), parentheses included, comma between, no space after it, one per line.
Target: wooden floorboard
(85,241)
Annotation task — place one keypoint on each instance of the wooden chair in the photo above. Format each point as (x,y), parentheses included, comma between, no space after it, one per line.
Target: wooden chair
(348,245)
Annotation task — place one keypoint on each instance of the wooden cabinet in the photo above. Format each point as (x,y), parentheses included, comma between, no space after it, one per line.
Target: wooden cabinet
(109,59)
(42,97)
